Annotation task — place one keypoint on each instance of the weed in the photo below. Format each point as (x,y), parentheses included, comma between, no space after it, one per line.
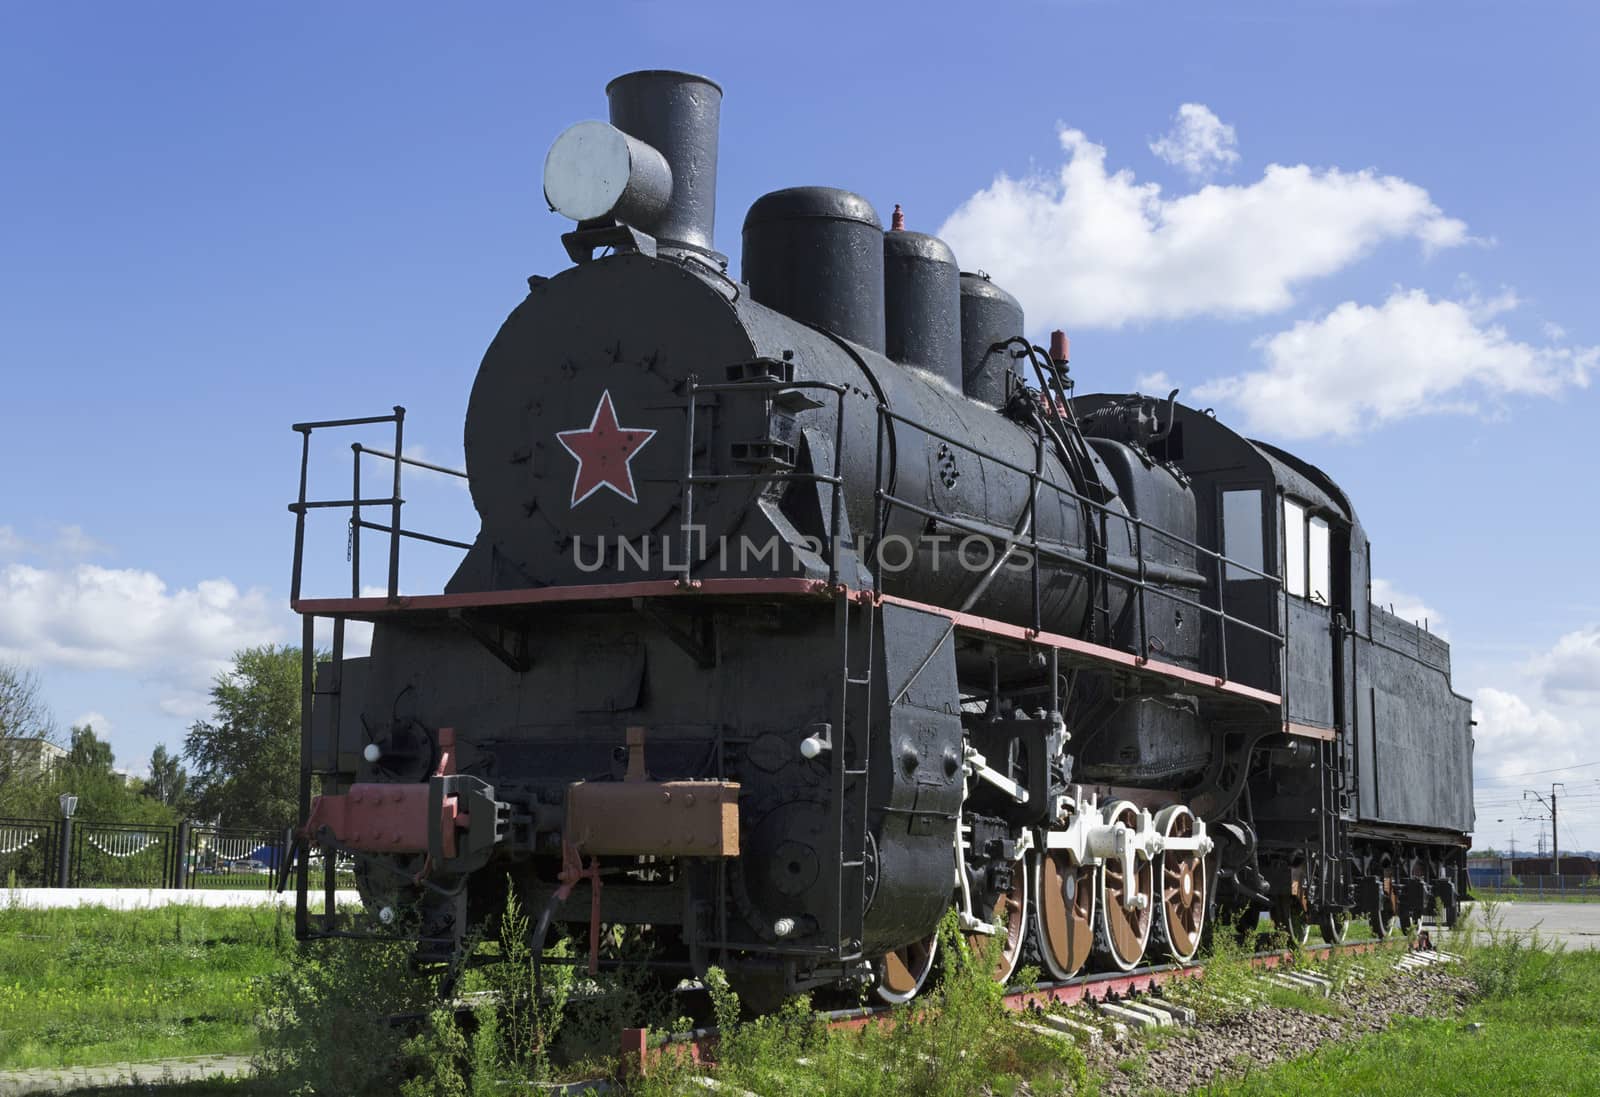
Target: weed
(959,1039)
(325,1021)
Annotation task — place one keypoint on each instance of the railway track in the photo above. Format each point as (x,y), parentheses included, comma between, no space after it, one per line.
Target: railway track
(1115,996)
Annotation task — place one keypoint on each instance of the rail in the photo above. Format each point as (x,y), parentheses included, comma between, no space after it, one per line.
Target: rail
(1136,575)
(358,522)
(1139,583)
(644,1050)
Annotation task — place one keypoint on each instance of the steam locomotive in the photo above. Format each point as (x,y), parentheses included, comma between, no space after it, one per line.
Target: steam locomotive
(811,604)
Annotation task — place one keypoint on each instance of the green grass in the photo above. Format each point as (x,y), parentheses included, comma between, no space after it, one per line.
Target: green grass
(1533,895)
(1538,1021)
(94,985)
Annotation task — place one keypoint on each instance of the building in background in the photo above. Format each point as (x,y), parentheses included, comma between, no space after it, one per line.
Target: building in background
(32,757)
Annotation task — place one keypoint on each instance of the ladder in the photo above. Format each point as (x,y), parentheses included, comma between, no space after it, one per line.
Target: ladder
(852,741)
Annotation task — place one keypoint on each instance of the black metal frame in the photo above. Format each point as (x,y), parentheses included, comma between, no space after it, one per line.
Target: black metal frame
(47,844)
(84,834)
(298,854)
(191,864)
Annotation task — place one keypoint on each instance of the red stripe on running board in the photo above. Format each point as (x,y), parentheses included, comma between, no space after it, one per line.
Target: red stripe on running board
(668,588)
(1084,647)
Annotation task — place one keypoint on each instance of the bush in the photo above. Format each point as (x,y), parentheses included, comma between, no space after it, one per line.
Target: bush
(325,1027)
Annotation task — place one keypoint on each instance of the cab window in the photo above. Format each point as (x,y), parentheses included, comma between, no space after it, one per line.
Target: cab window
(1241,533)
(1294,548)
(1319,579)
(1307,553)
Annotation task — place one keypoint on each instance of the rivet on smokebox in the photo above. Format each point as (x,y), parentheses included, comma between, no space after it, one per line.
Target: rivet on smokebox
(688,800)
(667,797)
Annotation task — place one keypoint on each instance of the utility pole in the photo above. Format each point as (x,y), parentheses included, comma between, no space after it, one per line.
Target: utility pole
(1555,835)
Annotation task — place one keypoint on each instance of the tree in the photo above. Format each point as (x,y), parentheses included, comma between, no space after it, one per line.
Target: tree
(246,759)
(89,756)
(169,781)
(25,726)
(89,772)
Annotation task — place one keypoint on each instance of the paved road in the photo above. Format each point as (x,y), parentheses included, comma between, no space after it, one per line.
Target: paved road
(17,1083)
(1576,924)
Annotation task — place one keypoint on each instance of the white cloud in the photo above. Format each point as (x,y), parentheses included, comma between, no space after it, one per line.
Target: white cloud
(1540,727)
(74,542)
(187,704)
(1092,248)
(97,720)
(1361,366)
(1158,382)
(1569,673)
(92,617)
(1405,606)
(1199,143)
(67,542)
(1513,737)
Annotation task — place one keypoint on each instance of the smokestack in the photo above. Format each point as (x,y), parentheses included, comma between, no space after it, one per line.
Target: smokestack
(676,114)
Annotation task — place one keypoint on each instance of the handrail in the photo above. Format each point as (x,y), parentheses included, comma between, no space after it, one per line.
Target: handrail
(767,388)
(1138,581)
(1143,533)
(359,448)
(302,505)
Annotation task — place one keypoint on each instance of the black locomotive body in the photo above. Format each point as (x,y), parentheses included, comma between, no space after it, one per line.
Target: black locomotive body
(808,606)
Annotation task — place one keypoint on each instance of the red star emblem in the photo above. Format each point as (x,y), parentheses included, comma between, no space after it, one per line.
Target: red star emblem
(604,451)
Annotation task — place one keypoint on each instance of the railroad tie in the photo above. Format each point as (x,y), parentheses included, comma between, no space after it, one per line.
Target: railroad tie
(705,1081)
(1048,1031)
(1118,1026)
(1181,1013)
(1294,980)
(1084,1033)
(1166,1015)
(1138,1018)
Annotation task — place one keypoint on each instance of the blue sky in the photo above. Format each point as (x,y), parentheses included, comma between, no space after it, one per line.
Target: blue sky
(219,220)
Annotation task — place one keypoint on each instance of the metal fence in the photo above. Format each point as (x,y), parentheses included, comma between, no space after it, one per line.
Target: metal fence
(28,854)
(220,857)
(1555,887)
(123,855)
(139,855)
